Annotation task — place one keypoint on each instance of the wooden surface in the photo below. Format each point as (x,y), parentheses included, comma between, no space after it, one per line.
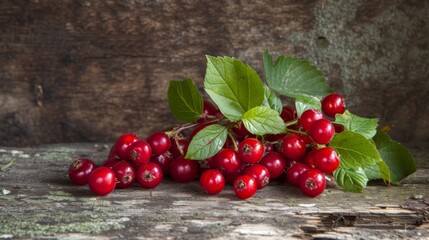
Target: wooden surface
(43,203)
(78,71)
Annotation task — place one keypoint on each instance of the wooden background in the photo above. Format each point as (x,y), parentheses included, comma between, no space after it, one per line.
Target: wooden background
(91,70)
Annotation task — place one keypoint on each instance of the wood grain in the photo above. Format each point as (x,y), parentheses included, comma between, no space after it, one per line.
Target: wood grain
(90,70)
(43,203)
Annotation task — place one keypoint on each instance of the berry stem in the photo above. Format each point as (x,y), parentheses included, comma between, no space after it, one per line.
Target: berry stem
(295,131)
(290,123)
(233,141)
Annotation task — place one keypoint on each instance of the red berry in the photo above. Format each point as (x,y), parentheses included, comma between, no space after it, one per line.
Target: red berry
(322,131)
(208,110)
(80,170)
(183,170)
(333,104)
(260,174)
(288,114)
(123,143)
(309,158)
(102,181)
(139,152)
(240,130)
(326,160)
(163,160)
(293,173)
(227,160)
(293,147)
(230,177)
(112,153)
(159,142)
(111,162)
(308,117)
(125,174)
(149,175)
(181,149)
(245,187)
(312,182)
(250,150)
(212,182)
(275,163)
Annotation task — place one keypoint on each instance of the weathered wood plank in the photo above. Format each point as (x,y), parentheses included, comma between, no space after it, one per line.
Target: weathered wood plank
(43,203)
(91,70)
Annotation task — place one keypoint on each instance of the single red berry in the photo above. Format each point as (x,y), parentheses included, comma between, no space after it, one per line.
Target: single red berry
(111,162)
(308,117)
(227,160)
(212,181)
(102,181)
(333,104)
(338,127)
(250,150)
(149,175)
(163,160)
(322,131)
(240,130)
(208,110)
(125,174)
(181,149)
(122,144)
(275,163)
(139,152)
(245,187)
(293,173)
(260,174)
(288,114)
(159,142)
(309,158)
(326,160)
(80,170)
(183,170)
(231,177)
(293,147)
(312,182)
(112,153)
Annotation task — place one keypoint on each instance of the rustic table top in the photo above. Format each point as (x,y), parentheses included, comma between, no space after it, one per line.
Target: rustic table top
(38,200)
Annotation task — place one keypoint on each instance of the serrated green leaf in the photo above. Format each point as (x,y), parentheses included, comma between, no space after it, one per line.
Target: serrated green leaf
(263,120)
(291,77)
(378,171)
(351,180)
(233,85)
(271,100)
(365,126)
(207,142)
(396,156)
(304,102)
(184,100)
(354,150)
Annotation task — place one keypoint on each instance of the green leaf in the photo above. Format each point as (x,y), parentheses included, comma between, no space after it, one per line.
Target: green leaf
(365,126)
(271,100)
(396,156)
(207,142)
(304,102)
(378,171)
(351,180)
(233,85)
(184,100)
(292,77)
(354,150)
(263,120)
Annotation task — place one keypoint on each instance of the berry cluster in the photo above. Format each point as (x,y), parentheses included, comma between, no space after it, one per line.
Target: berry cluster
(247,162)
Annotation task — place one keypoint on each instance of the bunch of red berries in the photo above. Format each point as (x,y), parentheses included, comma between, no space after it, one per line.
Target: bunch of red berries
(247,162)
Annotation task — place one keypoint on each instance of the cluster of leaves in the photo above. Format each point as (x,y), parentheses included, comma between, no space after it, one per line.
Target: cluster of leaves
(242,96)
